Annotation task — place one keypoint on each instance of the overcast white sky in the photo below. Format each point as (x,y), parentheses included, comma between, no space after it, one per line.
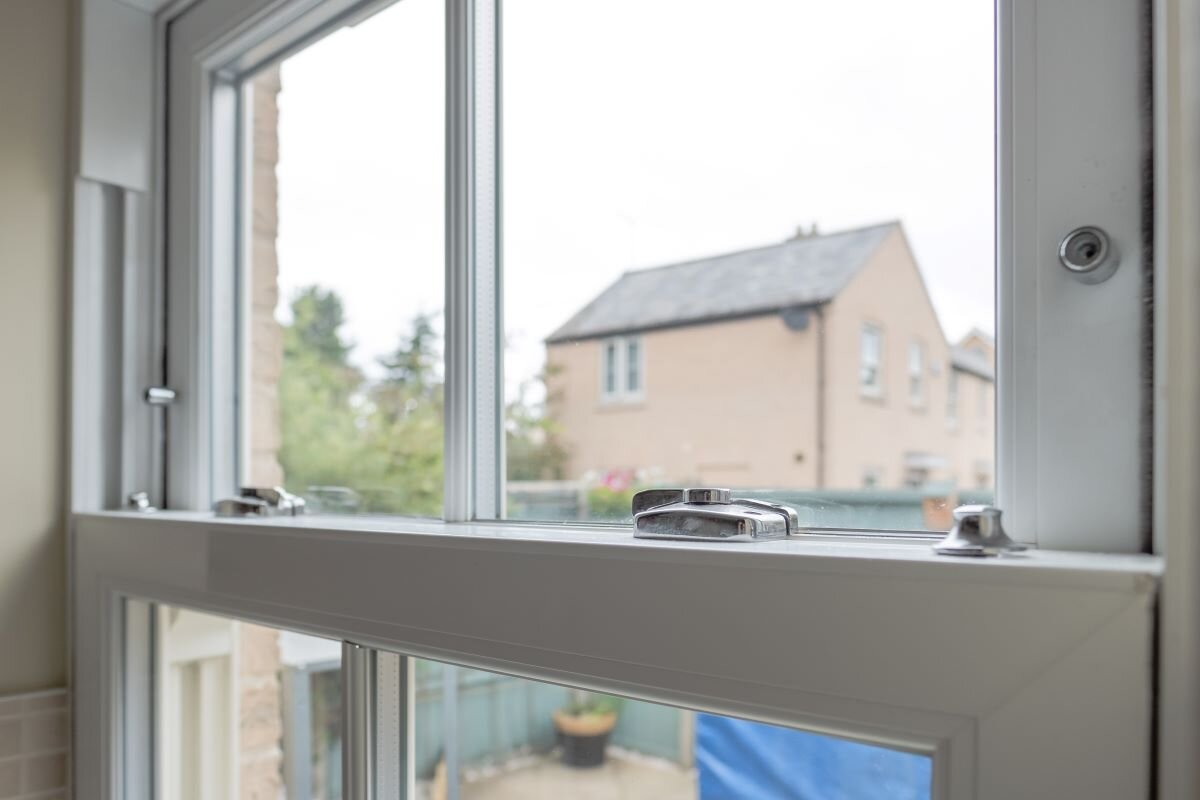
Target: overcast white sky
(637,133)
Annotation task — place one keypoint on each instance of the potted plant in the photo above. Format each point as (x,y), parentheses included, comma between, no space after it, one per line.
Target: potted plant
(583,727)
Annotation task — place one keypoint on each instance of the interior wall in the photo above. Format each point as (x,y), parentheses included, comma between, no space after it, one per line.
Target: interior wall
(34,97)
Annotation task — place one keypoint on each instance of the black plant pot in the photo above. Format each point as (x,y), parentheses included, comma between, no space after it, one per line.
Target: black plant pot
(583,751)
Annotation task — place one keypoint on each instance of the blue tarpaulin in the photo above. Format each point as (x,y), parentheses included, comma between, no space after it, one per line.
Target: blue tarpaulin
(740,760)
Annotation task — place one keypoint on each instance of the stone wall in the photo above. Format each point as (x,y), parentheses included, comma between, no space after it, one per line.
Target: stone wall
(260,699)
(266,338)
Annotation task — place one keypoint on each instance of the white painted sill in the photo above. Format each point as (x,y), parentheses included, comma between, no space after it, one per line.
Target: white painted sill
(896,554)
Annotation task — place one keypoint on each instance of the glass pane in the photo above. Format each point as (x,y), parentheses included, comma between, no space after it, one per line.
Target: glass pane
(246,710)
(484,736)
(744,188)
(345,275)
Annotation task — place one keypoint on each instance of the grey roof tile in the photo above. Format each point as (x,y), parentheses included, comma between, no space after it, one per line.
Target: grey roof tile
(798,272)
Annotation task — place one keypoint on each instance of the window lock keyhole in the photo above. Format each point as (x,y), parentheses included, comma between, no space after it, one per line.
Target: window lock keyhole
(1088,254)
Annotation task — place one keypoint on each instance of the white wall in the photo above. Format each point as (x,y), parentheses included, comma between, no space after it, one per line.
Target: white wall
(34,44)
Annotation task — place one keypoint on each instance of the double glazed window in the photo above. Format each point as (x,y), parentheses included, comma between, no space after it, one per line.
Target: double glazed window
(390,298)
(622,369)
(870,370)
(916,374)
(672,253)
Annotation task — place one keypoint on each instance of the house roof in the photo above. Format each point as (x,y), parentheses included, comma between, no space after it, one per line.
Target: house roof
(799,272)
(969,360)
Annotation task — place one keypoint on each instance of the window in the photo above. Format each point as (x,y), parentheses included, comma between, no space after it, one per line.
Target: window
(952,397)
(343,322)
(916,374)
(633,366)
(678,242)
(247,710)
(870,361)
(483,735)
(622,365)
(612,369)
(582,605)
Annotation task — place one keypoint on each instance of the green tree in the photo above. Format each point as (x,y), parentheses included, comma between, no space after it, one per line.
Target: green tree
(320,432)
(405,427)
(533,438)
(380,442)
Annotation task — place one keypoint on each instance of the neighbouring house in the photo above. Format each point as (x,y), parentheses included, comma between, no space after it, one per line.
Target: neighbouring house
(816,363)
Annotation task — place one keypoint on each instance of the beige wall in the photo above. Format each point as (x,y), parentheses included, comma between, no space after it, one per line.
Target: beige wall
(34,37)
(876,432)
(731,404)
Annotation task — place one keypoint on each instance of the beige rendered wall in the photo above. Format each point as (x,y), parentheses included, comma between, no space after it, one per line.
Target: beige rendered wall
(731,404)
(875,433)
(34,37)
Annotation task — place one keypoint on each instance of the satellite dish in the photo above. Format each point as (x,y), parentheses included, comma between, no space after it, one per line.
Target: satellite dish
(796,318)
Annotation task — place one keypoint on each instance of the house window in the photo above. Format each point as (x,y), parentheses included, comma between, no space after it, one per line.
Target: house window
(916,374)
(367,584)
(870,373)
(633,366)
(621,369)
(952,397)
(612,372)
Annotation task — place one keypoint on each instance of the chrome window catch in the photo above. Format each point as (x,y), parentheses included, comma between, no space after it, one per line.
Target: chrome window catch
(709,515)
(140,502)
(254,501)
(159,396)
(977,532)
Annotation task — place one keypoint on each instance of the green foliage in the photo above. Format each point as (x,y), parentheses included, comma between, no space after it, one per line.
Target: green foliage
(610,504)
(533,439)
(583,703)
(374,446)
(351,443)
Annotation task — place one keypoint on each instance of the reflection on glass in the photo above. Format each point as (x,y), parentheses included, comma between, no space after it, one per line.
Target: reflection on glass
(753,251)
(344,284)
(484,736)
(246,710)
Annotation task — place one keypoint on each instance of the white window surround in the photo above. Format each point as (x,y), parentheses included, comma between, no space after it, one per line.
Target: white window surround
(618,390)
(916,374)
(871,357)
(1061,631)
(953,391)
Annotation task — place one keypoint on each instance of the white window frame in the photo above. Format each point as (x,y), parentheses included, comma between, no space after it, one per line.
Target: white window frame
(873,389)
(970,687)
(620,392)
(953,393)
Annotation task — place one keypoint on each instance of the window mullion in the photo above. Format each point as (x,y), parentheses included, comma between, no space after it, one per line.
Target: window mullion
(474,384)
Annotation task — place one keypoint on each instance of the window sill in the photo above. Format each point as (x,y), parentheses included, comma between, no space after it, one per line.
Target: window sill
(862,552)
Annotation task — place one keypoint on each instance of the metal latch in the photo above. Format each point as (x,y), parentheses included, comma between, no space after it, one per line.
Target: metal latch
(254,501)
(977,532)
(709,515)
(140,502)
(159,395)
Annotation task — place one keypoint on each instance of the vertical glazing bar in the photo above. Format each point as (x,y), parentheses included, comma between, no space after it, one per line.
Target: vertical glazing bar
(135,770)
(450,729)
(489,326)
(460,261)
(474,377)
(395,776)
(358,722)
